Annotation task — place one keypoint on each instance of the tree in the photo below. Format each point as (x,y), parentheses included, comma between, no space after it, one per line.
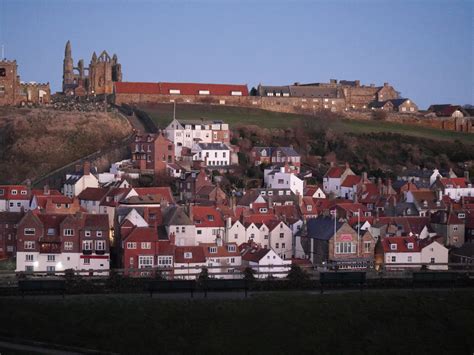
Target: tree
(253,91)
(249,274)
(297,276)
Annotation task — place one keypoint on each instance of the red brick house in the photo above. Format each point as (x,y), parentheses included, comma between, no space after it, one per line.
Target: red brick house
(56,242)
(152,152)
(8,230)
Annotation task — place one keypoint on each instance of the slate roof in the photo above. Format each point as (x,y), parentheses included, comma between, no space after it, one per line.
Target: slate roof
(174,215)
(213,146)
(313,91)
(321,228)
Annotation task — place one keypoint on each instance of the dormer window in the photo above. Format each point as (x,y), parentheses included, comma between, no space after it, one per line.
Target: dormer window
(461,215)
(309,208)
(213,250)
(210,217)
(425,203)
(23,192)
(14,192)
(231,248)
(188,255)
(263,210)
(50,231)
(393,246)
(410,245)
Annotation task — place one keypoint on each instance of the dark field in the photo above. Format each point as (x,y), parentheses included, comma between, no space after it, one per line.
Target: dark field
(388,322)
(162,114)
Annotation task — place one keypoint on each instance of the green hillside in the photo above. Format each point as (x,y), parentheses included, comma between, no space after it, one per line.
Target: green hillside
(163,113)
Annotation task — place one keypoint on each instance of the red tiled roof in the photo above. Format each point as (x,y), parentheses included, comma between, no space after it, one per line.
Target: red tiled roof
(351,180)
(255,254)
(222,251)
(204,216)
(194,88)
(136,88)
(164,88)
(334,172)
(455,182)
(6,192)
(93,194)
(196,257)
(164,192)
(402,245)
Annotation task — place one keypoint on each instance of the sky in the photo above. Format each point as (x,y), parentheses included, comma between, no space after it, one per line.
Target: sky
(425,49)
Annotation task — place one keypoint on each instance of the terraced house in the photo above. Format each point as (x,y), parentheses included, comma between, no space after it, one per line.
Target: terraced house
(56,242)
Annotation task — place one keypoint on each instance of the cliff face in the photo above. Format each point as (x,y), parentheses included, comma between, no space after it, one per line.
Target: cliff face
(36,141)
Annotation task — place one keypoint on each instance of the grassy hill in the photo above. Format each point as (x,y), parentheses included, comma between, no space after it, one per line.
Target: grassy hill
(36,141)
(163,113)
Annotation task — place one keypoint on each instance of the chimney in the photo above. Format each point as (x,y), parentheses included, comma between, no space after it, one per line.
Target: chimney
(466,176)
(46,189)
(440,194)
(219,241)
(270,202)
(379,185)
(331,164)
(146,215)
(385,84)
(364,176)
(357,83)
(87,168)
(172,238)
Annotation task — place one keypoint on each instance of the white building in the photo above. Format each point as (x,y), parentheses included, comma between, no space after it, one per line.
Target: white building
(212,154)
(79,181)
(265,262)
(187,133)
(279,179)
(14,198)
(333,179)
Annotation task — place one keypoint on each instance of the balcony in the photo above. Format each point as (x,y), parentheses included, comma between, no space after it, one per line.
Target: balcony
(100,252)
(86,252)
(50,248)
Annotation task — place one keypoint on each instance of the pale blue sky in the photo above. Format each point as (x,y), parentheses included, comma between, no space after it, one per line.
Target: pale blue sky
(424,48)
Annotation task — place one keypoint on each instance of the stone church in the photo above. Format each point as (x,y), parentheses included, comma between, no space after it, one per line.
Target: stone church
(96,79)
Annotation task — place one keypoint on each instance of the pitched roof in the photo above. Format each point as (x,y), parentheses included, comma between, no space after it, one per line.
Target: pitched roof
(254,254)
(221,251)
(321,228)
(334,172)
(351,180)
(163,192)
(204,216)
(6,192)
(136,88)
(197,254)
(93,194)
(176,216)
(454,182)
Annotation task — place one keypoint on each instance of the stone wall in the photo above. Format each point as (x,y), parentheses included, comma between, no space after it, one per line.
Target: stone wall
(277,104)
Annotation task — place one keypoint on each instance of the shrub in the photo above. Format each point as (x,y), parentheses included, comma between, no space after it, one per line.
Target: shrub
(249,274)
(298,278)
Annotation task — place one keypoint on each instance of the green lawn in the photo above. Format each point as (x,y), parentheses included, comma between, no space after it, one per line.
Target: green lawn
(371,322)
(163,113)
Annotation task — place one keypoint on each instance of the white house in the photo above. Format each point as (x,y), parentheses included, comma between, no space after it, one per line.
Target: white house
(265,262)
(434,252)
(208,222)
(279,179)
(177,221)
(222,260)
(14,198)
(79,181)
(334,177)
(281,239)
(187,133)
(212,154)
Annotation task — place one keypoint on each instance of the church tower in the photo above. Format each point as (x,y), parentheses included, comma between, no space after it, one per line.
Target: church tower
(68,68)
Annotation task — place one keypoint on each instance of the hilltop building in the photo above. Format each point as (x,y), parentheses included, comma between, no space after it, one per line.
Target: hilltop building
(96,79)
(14,92)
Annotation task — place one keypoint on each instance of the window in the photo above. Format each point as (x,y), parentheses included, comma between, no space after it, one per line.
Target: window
(282,235)
(29,244)
(188,255)
(432,260)
(277,245)
(199,231)
(29,257)
(236,236)
(455,228)
(393,246)
(3,71)
(183,229)
(51,258)
(394,259)
(175,91)
(213,250)
(98,233)
(28,268)
(410,245)
(87,233)
(345,248)
(367,247)
(265,236)
(177,229)
(231,248)
(100,245)
(409,259)
(210,217)
(29,231)
(87,245)
(68,245)
(131,245)
(50,268)
(68,232)
(165,260)
(146,245)
(14,192)
(50,231)
(283,245)
(145,261)
(232,260)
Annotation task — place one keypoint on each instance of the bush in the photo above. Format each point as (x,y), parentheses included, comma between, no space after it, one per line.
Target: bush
(298,278)
(249,274)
